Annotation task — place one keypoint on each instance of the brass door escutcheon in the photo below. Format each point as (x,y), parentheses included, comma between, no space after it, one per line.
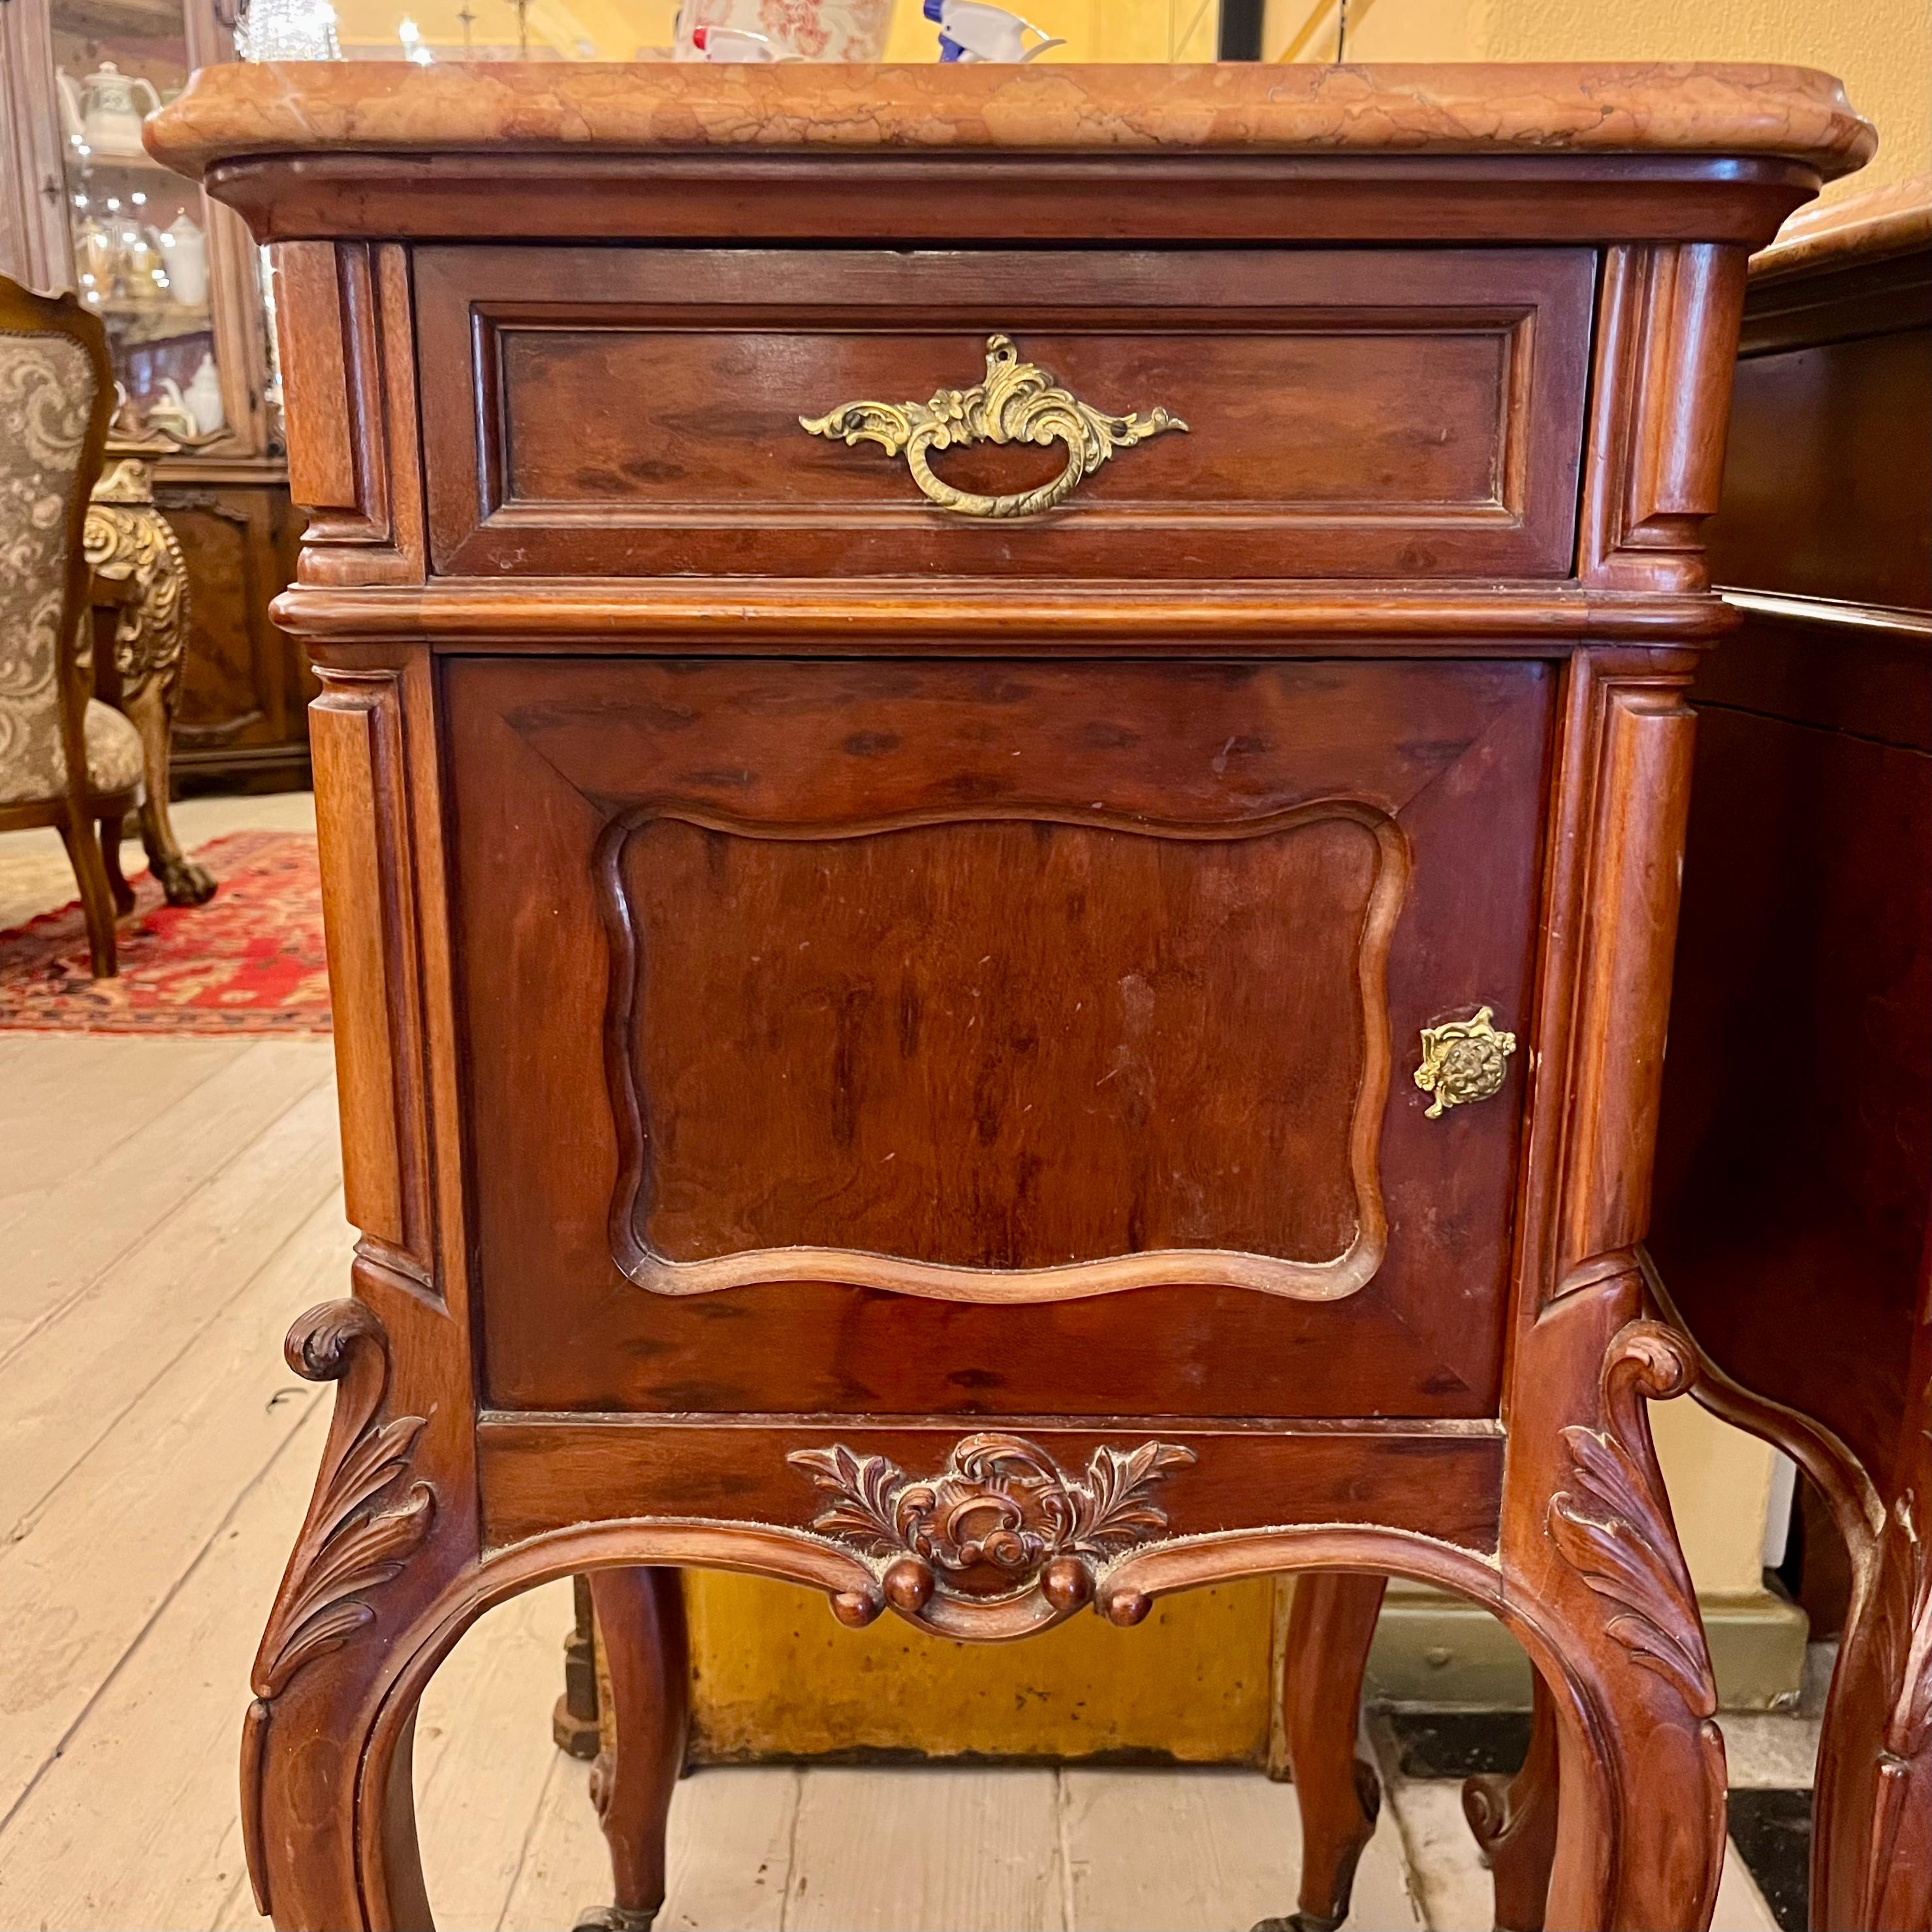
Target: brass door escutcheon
(1463,1061)
(1018,402)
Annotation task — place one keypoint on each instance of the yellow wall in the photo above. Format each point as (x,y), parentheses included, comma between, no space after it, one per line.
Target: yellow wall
(1882,50)
(1094,30)
(1101,30)
(773,1674)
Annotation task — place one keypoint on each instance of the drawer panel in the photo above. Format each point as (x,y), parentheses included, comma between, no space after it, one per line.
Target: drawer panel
(988,1038)
(1347,412)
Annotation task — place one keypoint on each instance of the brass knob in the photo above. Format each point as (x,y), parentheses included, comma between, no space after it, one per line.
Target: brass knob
(1018,402)
(1463,1061)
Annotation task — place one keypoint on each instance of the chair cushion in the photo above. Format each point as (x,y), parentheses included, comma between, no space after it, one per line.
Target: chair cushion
(113,748)
(113,760)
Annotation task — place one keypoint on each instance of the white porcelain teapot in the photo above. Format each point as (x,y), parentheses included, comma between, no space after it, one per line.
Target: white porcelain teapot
(184,250)
(105,109)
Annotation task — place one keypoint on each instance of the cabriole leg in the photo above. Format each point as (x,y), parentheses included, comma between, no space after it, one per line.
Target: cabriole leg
(1514,1821)
(184,880)
(1596,1587)
(1331,1623)
(640,1629)
(329,1822)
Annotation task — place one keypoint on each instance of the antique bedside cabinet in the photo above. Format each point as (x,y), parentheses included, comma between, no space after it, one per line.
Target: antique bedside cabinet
(1002,775)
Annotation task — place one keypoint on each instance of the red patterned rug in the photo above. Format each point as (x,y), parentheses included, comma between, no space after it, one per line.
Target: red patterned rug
(249,961)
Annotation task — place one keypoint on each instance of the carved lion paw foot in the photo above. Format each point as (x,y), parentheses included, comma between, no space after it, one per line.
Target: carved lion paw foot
(1297,1921)
(615,1918)
(183,881)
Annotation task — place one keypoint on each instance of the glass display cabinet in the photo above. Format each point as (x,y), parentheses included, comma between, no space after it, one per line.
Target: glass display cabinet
(179,284)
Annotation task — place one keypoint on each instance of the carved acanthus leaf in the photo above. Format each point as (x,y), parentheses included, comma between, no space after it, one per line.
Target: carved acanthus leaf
(353,1540)
(864,1487)
(1614,1526)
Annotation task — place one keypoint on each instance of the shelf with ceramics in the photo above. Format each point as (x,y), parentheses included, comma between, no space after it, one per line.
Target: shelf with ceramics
(139,234)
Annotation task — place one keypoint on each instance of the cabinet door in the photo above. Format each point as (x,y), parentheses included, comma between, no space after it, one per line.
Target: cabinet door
(991,1038)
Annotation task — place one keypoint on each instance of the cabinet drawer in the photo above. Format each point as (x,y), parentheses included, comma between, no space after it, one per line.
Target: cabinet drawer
(991,1038)
(1347,412)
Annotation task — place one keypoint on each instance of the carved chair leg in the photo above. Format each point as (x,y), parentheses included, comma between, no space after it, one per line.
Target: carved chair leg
(1514,1821)
(97,899)
(1331,1624)
(122,893)
(185,882)
(640,1626)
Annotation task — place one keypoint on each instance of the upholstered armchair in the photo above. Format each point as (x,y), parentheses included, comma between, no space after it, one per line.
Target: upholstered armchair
(66,759)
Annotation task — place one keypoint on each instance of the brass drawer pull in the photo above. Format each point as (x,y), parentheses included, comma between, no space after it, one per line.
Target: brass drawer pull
(1018,402)
(1463,1061)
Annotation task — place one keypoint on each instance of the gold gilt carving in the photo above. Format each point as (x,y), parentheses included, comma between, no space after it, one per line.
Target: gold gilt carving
(1018,402)
(1462,1061)
(128,540)
(1001,1520)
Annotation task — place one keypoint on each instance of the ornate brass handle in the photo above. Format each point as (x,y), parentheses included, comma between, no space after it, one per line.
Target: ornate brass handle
(1018,402)
(1462,1061)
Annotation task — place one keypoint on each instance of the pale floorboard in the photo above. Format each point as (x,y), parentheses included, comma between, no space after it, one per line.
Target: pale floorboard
(114,1539)
(65,1107)
(562,1865)
(57,1242)
(142,1318)
(972,1850)
(135,1824)
(732,1835)
(1149,1851)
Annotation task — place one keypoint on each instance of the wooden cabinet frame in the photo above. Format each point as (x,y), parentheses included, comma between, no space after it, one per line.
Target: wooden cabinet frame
(446,1486)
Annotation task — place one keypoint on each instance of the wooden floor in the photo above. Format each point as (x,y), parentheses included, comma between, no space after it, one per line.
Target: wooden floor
(166,1207)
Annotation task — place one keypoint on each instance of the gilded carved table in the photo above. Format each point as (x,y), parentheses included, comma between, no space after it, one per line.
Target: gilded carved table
(1001,778)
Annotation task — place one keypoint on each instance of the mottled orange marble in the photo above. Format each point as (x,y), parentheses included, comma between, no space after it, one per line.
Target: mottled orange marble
(1890,220)
(309,107)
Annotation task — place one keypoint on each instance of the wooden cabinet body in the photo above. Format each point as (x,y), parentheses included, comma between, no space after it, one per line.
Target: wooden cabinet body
(1005,1002)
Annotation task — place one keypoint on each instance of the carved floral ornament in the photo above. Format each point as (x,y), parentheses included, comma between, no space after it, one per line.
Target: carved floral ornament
(1001,1523)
